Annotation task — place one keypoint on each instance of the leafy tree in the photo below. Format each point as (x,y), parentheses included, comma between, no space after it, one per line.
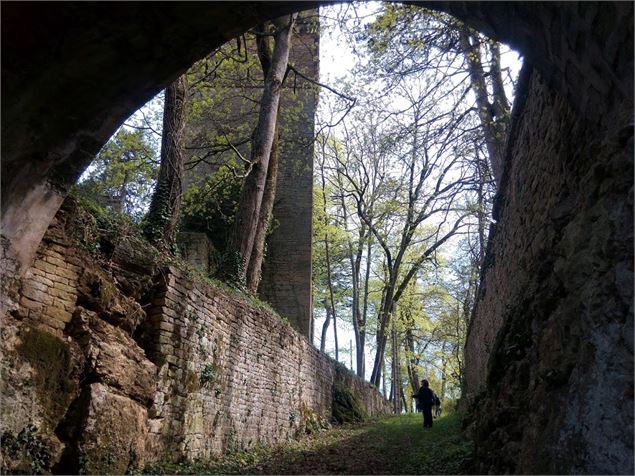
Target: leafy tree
(406,40)
(408,171)
(123,173)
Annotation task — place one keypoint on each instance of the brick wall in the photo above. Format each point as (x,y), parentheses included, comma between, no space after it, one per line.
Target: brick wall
(234,375)
(116,371)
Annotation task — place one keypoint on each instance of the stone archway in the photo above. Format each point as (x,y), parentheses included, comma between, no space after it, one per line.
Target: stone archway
(553,325)
(71,74)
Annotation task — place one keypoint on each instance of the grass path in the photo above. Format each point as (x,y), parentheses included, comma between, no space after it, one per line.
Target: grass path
(396,445)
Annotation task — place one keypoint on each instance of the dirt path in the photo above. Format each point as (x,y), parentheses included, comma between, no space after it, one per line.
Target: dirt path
(397,445)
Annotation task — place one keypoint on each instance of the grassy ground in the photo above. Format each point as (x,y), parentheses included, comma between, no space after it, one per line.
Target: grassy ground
(396,445)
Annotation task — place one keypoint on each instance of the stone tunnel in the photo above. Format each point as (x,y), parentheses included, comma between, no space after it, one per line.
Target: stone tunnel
(550,348)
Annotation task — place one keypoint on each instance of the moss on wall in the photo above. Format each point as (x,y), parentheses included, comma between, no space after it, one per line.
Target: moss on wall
(346,406)
(54,379)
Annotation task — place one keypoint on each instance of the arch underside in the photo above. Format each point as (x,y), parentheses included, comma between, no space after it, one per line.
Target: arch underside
(72,73)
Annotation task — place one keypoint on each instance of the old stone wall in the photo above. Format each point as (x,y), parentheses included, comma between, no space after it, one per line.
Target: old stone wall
(231,374)
(112,362)
(549,356)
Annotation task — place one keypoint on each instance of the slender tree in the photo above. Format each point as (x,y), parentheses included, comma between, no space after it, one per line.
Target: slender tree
(242,238)
(164,214)
(265,55)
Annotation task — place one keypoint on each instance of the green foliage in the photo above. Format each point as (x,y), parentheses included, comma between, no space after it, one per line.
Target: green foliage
(209,374)
(210,207)
(122,175)
(233,269)
(31,453)
(395,445)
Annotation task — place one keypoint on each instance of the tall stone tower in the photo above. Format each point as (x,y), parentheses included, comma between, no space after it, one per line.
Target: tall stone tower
(286,275)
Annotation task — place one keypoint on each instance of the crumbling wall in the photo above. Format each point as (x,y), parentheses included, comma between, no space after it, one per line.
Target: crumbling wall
(112,362)
(549,355)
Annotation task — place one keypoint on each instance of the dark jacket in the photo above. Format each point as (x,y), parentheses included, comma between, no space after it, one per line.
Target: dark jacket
(425,397)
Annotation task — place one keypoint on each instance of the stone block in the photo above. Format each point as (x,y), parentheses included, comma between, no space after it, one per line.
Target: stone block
(51,323)
(112,439)
(30,304)
(36,295)
(44,266)
(67,271)
(113,357)
(57,261)
(59,313)
(61,294)
(63,285)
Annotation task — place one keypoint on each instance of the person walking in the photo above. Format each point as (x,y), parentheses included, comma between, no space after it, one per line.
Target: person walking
(425,398)
(437,406)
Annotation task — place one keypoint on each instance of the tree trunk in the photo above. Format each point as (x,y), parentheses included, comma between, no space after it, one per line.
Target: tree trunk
(325,326)
(494,116)
(361,351)
(383,380)
(355,259)
(404,402)
(327,252)
(337,351)
(165,207)
(265,55)
(444,364)
(396,372)
(254,270)
(412,362)
(382,334)
(241,241)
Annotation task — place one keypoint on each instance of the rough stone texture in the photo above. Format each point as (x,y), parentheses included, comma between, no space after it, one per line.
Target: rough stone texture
(49,288)
(39,378)
(584,50)
(112,357)
(196,249)
(54,350)
(109,435)
(232,375)
(550,348)
(203,372)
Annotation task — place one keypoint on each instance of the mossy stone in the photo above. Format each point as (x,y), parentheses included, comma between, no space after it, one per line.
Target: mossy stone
(346,406)
(51,358)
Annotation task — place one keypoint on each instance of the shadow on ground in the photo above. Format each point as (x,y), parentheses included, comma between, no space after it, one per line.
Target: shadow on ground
(396,445)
